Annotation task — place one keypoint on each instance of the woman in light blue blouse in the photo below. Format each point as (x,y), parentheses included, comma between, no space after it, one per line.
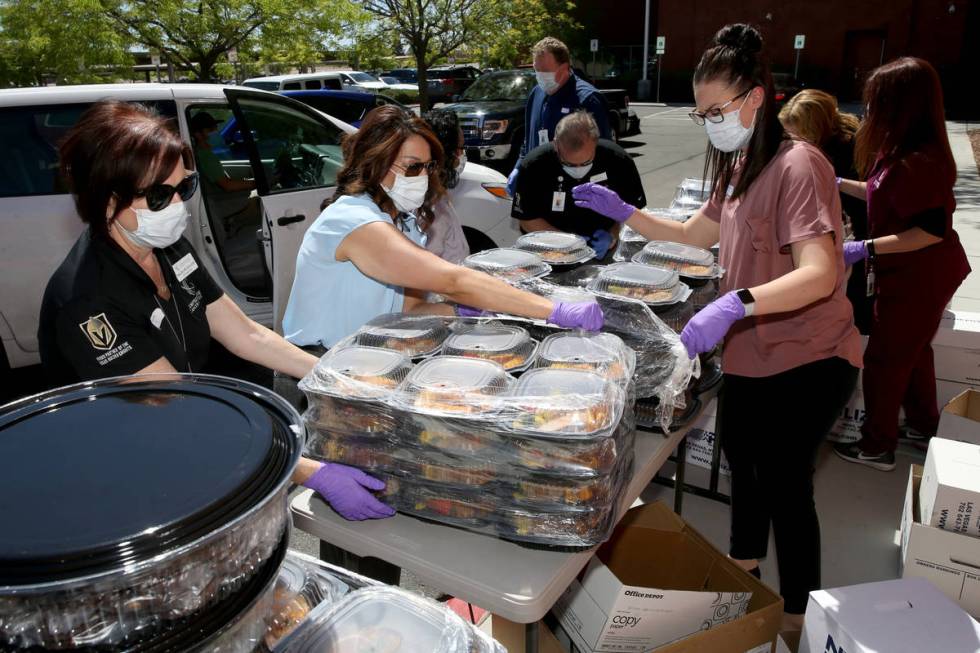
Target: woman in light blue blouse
(364,257)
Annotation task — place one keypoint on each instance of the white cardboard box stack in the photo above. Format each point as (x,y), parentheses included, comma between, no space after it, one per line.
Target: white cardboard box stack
(956,347)
(949,496)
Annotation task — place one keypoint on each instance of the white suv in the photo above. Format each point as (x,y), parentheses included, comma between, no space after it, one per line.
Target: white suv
(248,241)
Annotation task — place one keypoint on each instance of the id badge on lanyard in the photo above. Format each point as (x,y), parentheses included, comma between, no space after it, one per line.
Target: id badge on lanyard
(869,277)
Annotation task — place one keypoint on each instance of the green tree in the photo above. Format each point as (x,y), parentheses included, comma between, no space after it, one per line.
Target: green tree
(516,25)
(62,41)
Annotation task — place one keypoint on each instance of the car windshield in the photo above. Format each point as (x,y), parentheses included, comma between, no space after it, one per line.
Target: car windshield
(501,86)
(363,77)
(265,86)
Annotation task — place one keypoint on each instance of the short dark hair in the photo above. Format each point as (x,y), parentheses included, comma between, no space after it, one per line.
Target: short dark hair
(576,129)
(445,125)
(202,120)
(371,151)
(114,150)
(735,57)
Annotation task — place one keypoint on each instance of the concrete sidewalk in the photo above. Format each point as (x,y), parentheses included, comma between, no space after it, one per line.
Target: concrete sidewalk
(966,219)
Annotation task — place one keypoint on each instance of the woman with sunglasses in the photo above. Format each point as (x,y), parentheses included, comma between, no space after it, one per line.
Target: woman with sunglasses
(132,297)
(914,258)
(364,255)
(791,352)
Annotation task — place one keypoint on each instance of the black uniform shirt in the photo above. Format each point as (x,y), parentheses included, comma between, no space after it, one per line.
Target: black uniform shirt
(544,189)
(101,315)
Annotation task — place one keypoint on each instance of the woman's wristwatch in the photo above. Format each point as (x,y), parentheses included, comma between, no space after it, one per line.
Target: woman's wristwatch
(748,301)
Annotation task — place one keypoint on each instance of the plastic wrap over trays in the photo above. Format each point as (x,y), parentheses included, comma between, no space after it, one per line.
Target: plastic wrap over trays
(540,458)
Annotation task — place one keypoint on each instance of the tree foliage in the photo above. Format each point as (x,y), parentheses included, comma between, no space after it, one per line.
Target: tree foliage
(516,25)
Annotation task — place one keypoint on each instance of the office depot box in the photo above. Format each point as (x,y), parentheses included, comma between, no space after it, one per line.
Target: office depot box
(949,560)
(956,346)
(960,419)
(657,584)
(949,497)
(895,616)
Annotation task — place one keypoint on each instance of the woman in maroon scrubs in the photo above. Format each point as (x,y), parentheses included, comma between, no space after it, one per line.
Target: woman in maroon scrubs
(914,258)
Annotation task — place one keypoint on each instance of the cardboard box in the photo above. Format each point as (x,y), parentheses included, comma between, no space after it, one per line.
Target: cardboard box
(950,494)
(896,616)
(949,560)
(960,419)
(956,346)
(701,440)
(511,635)
(658,583)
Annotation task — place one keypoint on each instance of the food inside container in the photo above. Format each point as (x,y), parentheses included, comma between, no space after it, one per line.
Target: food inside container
(301,586)
(652,285)
(567,403)
(353,418)
(509,346)
(688,260)
(548,492)
(413,336)
(470,507)
(604,354)
(357,372)
(508,263)
(473,473)
(212,459)
(455,438)
(574,458)
(566,527)
(455,386)
(557,247)
(381,620)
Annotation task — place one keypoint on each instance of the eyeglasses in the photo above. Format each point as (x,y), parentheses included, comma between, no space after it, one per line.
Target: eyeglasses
(715,115)
(158,196)
(576,165)
(415,169)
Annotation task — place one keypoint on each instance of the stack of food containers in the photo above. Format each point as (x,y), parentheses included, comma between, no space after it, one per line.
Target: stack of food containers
(696,266)
(557,248)
(509,264)
(540,458)
(659,288)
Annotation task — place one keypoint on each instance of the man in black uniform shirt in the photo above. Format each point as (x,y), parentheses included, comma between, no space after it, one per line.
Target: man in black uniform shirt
(543,200)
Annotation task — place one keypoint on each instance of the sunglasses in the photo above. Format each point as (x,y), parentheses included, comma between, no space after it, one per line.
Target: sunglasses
(158,196)
(415,169)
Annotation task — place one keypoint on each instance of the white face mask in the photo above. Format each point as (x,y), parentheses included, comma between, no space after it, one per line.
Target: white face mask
(461,163)
(547,82)
(408,193)
(729,134)
(577,172)
(158,229)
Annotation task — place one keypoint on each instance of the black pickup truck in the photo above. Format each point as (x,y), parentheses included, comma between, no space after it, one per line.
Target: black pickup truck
(491,113)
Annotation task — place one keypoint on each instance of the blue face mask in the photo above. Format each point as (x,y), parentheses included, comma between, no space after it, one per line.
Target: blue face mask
(215,141)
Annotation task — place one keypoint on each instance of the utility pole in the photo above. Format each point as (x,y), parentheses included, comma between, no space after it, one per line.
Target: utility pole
(643,87)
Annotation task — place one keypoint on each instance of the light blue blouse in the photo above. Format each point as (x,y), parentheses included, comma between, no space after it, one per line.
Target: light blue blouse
(332,299)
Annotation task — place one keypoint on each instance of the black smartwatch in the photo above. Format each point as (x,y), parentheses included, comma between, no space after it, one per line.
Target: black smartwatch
(748,301)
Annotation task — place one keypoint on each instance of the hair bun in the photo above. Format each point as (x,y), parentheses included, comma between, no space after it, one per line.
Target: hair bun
(741,37)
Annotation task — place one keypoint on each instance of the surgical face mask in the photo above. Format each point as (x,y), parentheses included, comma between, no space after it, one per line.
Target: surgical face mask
(158,229)
(461,163)
(408,193)
(577,172)
(547,82)
(729,134)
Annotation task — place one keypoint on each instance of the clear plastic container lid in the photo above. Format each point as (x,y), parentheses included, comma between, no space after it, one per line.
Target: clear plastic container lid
(629,235)
(565,403)
(381,620)
(602,353)
(695,188)
(357,371)
(454,386)
(651,285)
(557,247)
(508,263)
(411,335)
(676,213)
(509,346)
(687,260)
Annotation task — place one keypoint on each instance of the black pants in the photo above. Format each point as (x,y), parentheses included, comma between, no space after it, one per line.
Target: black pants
(771,428)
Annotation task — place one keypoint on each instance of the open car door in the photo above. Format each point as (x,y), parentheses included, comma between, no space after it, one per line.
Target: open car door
(296,155)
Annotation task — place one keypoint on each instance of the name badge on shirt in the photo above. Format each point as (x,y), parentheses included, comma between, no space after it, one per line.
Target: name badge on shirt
(558,201)
(542,136)
(731,191)
(184,267)
(600,177)
(156,317)
(565,109)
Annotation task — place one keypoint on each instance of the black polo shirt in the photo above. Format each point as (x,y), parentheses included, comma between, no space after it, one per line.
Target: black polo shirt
(101,315)
(544,189)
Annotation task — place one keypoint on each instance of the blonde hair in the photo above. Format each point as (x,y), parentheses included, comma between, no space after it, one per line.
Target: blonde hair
(813,116)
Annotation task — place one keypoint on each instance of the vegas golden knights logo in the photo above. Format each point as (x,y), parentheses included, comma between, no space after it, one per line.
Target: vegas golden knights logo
(99,332)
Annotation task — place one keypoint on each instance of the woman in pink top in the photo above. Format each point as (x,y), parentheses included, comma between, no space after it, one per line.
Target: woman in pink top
(791,352)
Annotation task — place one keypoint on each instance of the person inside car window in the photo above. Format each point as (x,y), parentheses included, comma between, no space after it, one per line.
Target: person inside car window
(132,297)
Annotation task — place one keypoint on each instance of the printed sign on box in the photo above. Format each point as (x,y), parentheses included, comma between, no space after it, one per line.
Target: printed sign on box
(950,494)
(701,441)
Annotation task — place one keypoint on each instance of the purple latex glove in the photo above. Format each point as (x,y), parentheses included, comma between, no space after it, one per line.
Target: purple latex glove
(462,310)
(577,315)
(346,490)
(709,326)
(854,251)
(603,201)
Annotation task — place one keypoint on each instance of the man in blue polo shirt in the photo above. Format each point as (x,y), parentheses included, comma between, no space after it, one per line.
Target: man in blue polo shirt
(558,93)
